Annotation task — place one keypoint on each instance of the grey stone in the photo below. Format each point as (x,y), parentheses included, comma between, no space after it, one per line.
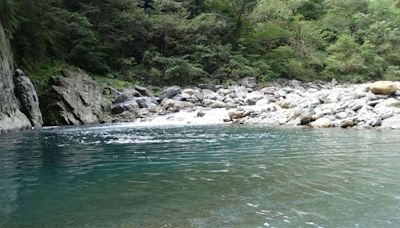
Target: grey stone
(143,91)
(170,92)
(249,82)
(26,94)
(73,100)
(125,106)
(146,102)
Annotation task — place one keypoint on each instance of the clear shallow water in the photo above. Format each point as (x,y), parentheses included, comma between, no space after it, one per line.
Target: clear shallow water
(216,176)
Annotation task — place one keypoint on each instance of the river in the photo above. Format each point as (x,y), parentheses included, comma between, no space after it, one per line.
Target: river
(199,176)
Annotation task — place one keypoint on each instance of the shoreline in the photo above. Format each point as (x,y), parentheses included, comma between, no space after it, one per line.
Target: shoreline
(291,103)
(78,100)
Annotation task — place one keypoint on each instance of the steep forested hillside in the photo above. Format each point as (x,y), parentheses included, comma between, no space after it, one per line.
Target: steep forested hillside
(188,41)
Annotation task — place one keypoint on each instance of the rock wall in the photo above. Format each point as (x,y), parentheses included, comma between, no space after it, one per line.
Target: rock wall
(11,118)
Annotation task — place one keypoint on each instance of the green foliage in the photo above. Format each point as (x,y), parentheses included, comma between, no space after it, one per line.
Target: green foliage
(110,80)
(392,73)
(164,42)
(7,15)
(42,73)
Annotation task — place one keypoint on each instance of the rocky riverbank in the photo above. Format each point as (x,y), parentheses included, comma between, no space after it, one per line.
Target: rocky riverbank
(285,103)
(75,99)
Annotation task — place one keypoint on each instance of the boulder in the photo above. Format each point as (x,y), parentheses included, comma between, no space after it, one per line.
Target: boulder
(249,82)
(73,99)
(126,95)
(321,123)
(306,118)
(179,97)
(26,94)
(170,92)
(200,114)
(392,102)
(175,106)
(195,93)
(253,97)
(214,104)
(235,115)
(119,108)
(384,87)
(146,102)
(143,91)
(347,123)
(209,94)
(285,104)
(240,91)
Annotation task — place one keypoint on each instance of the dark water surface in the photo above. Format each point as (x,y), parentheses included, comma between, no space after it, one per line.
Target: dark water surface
(214,176)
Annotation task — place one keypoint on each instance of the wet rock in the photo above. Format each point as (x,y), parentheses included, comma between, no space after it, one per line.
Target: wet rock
(26,94)
(384,87)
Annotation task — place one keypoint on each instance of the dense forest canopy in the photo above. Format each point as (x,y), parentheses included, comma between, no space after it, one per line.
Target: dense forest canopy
(189,41)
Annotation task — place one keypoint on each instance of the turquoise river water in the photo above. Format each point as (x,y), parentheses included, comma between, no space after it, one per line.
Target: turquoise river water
(199,176)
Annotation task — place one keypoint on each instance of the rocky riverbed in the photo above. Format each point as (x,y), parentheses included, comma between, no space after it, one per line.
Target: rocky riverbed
(282,103)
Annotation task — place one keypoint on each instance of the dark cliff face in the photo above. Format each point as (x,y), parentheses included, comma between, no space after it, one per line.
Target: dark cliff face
(11,118)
